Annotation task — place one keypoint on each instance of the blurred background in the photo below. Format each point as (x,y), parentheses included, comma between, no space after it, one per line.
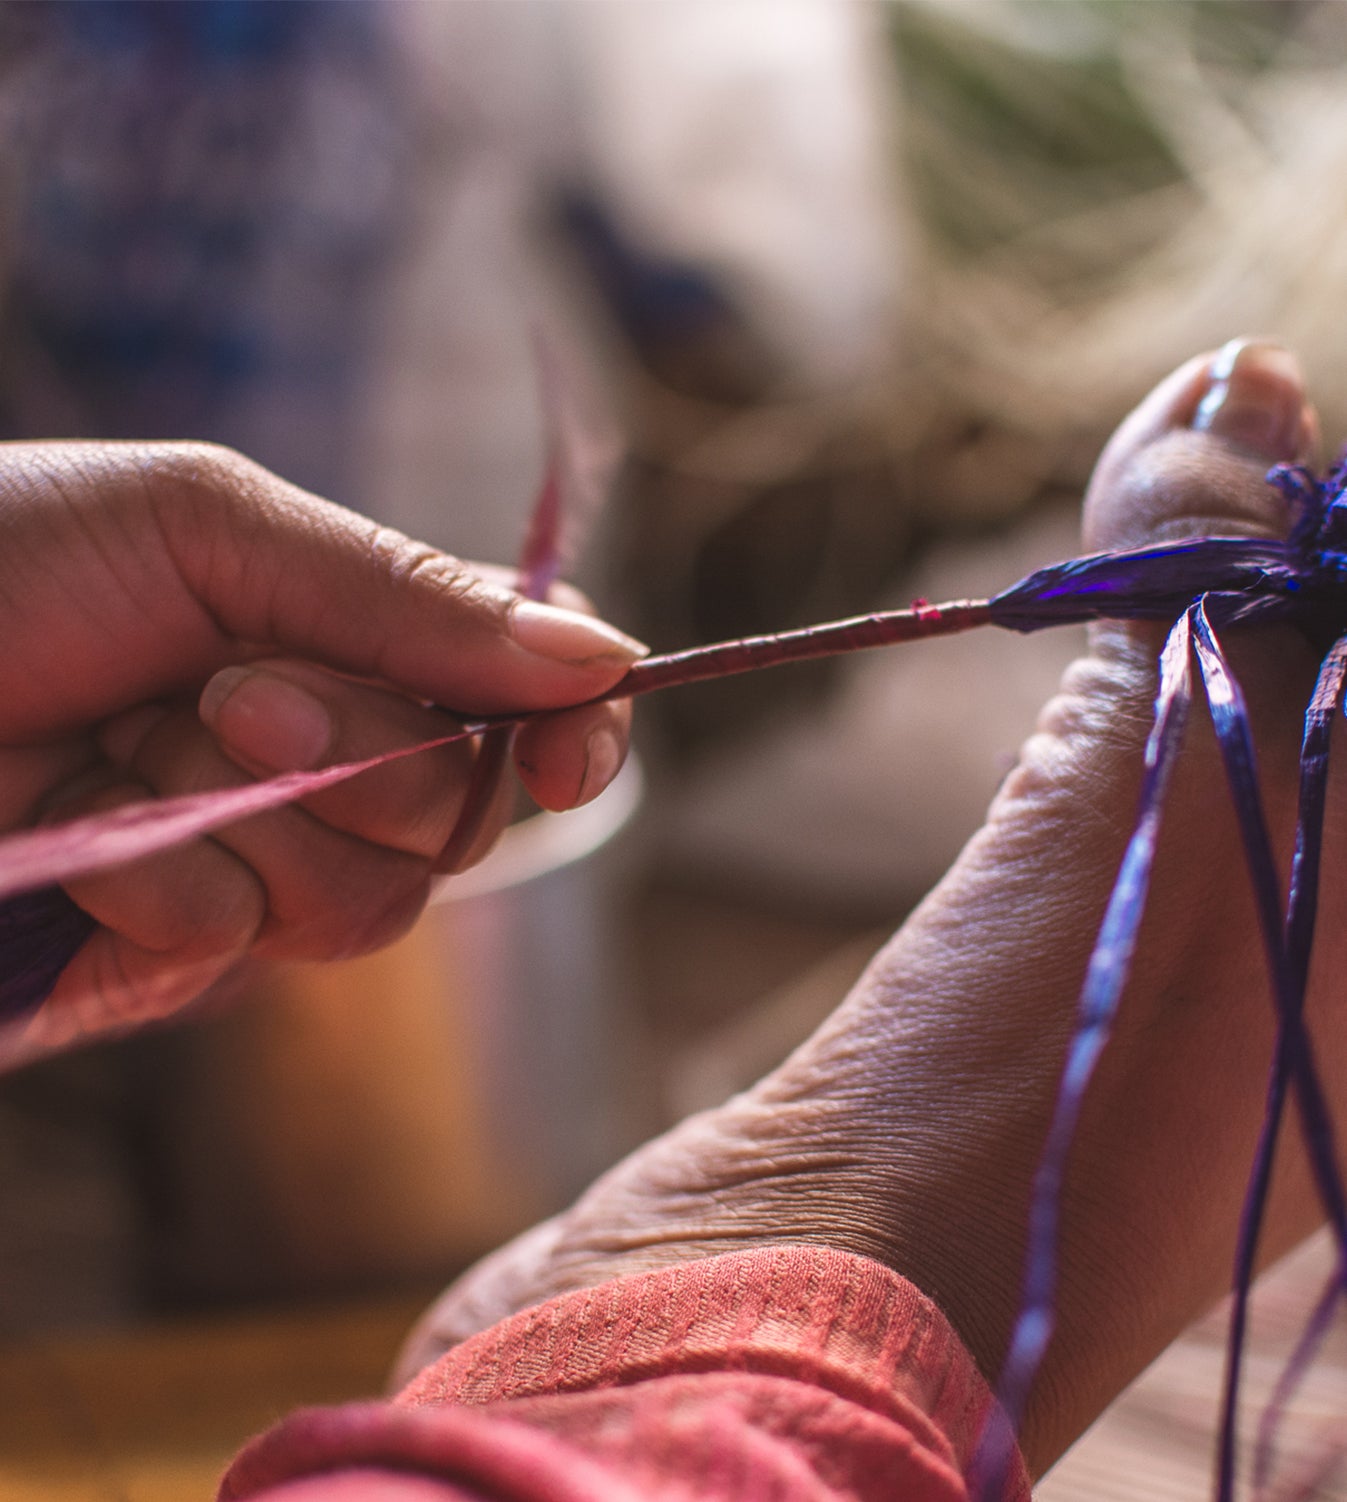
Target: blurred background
(861,285)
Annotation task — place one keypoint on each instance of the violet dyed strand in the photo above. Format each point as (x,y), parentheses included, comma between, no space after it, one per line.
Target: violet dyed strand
(1144,583)
(1105,978)
(40,932)
(1154,583)
(1140,584)
(1231,722)
(1081,589)
(40,858)
(1301,912)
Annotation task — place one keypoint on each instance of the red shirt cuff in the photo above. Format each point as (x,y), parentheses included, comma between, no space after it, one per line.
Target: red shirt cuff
(787,1371)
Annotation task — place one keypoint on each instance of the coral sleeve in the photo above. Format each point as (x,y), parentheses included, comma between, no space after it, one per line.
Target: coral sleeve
(793,1373)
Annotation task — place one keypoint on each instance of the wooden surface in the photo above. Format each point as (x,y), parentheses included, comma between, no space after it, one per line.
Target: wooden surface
(154,1416)
(1156,1443)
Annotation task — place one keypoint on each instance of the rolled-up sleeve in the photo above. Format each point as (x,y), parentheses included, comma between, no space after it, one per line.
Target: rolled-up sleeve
(793,1373)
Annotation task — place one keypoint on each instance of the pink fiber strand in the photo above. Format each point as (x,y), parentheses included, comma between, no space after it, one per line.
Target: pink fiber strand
(541,561)
(58,853)
(582,455)
(39,857)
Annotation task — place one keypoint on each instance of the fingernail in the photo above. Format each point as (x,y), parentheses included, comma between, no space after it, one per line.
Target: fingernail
(1255,398)
(603,756)
(266,720)
(566,637)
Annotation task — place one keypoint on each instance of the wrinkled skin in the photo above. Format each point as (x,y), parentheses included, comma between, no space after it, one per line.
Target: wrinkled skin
(908,1127)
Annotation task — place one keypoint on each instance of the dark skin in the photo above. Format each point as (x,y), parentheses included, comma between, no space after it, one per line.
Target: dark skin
(176,618)
(908,1128)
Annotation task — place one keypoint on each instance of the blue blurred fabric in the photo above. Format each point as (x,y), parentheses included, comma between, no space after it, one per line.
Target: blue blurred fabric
(204,197)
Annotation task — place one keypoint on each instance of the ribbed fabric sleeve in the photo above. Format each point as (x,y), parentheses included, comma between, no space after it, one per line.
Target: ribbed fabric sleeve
(795,1374)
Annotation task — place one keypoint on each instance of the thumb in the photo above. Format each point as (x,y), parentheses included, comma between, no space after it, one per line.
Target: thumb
(274,565)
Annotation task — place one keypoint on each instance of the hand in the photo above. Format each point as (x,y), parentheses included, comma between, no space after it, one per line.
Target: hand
(909,1127)
(137,580)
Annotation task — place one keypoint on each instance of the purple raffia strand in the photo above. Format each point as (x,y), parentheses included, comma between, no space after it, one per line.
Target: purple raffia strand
(1230,720)
(1149,583)
(1105,978)
(1306,498)
(1327,701)
(1302,905)
(1157,583)
(1145,583)
(39,932)
(1101,582)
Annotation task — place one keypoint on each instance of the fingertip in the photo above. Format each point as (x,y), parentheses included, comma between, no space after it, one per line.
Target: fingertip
(604,754)
(267,720)
(568,759)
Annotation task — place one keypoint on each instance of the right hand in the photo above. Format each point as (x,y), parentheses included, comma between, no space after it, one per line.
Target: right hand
(175,618)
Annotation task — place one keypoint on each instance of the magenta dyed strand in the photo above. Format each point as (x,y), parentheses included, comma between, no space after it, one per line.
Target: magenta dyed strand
(569,486)
(747,655)
(35,858)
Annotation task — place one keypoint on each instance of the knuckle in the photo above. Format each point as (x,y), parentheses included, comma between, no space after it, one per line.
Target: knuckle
(198,492)
(423,567)
(209,467)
